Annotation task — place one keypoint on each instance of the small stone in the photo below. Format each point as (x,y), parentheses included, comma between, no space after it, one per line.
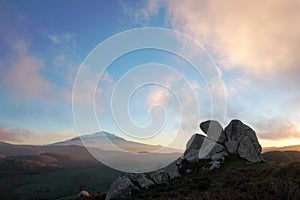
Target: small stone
(83,194)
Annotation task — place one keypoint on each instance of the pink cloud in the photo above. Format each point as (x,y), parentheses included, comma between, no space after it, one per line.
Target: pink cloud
(14,135)
(26,136)
(22,77)
(158,96)
(261,38)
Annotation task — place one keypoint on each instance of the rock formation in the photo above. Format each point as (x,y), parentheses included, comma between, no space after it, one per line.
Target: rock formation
(212,149)
(242,140)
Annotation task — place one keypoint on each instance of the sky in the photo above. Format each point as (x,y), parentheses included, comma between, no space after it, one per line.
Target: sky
(254,46)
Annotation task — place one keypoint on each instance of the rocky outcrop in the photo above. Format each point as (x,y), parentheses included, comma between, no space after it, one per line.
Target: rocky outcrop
(121,188)
(173,169)
(237,138)
(213,130)
(160,177)
(140,180)
(248,151)
(242,141)
(125,185)
(211,150)
(200,147)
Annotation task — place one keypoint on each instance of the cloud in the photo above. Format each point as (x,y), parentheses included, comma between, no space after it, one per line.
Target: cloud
(35,137)
(256,46)
(277,128)
(181,97)
(14,135)
(158,96)
(22,75)
(262,38)
(60,39)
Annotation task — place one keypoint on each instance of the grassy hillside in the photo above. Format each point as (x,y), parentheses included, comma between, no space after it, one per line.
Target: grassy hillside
(14,166)
(235,180)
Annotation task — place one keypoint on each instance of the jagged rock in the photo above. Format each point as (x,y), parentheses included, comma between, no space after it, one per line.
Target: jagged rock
(140,180)
(160,177)
(144,182)
(195,142)
(200,147)
(121,188)
(173,169)
(247,150)
(237,138)
(192,155)
(83,194)
(236,132)
(209,148)
(213,130)
(214,165)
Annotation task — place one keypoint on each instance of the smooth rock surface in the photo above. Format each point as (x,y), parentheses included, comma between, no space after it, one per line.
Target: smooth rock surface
(213,130)
(247,150)
(209,148)
(201,148)
(237,131)
(195,142)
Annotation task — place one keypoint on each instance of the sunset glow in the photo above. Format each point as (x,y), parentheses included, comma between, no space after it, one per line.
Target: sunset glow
(254,48)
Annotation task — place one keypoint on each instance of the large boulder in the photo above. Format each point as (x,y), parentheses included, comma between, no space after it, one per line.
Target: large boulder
(237,138)
(200,147)
(232,146)
(248,151)
(214,130)
(192,155)
(209,148)
(195,142)
(121,188)
(242,140)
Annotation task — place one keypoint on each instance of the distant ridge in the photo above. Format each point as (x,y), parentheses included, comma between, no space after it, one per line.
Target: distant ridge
(282,156)
(110,142)
(284,148)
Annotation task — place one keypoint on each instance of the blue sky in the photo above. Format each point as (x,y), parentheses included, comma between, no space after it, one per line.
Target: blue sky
(43,44)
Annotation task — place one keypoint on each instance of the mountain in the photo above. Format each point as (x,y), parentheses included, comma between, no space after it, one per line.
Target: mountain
(145,155)
(7,149)
(284,148)
(110,142)
(29,159)
(72,151)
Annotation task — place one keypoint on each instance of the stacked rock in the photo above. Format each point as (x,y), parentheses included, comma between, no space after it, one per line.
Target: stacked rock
(236,139)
